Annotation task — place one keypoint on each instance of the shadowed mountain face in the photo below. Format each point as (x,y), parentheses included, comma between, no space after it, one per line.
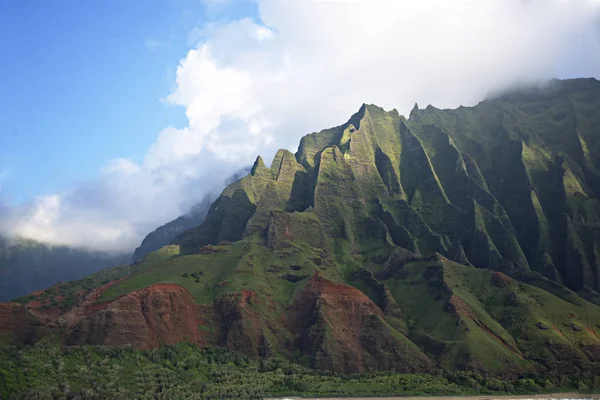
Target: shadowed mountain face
(164,234)
(537,153)
(27,266)
(455,239)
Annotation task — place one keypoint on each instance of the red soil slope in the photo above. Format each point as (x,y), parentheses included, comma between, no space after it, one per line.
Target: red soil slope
(159,314)
(18,324)
(343,330)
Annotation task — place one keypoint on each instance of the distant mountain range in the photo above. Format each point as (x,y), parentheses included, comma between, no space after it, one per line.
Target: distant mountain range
(464,239)
(27,266)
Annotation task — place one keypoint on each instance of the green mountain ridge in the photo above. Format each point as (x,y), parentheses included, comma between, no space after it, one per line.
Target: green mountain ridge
(497,182)
(455,239)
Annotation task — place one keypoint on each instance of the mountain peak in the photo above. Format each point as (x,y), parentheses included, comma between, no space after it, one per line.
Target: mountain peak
(258,164)
(414,113)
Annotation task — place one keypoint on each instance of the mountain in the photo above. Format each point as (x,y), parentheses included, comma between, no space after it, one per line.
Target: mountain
(27,265)
(463,239)
(164,234)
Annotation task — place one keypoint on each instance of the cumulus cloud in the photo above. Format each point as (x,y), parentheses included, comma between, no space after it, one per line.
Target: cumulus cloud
(251,86)
(117,209)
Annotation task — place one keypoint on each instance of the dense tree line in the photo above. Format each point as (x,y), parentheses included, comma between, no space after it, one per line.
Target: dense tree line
(45,371)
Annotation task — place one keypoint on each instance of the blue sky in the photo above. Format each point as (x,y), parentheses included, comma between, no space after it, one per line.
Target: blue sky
(82,83)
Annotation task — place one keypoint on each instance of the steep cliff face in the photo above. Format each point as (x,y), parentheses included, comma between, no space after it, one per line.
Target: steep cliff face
(165,234)
(499,185)
(18,324)
(159,314)
(340,329)
(535,150)
(242,325)
(334,326)
(504,183)
(467,236)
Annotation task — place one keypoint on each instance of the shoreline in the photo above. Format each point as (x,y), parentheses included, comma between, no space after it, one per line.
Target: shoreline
(549,396)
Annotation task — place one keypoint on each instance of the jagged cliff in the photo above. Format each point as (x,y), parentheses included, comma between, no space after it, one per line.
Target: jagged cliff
(455,239)
(510,184)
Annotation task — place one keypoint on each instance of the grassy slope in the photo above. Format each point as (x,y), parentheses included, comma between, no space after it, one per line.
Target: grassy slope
(500,330)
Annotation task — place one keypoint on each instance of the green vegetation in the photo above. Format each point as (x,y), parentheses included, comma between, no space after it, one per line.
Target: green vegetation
(45,371)
(487,321)
(493,182)
(67,295)
(225,269)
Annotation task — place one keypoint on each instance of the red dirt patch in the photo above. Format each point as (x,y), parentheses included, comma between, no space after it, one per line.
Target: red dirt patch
(45,315)
(147,318)
(499,279)
(593,332)
(342,329)
(37,303)
(246,297)
(460,308)
(287,232)
(318,283)
(19,323)
(96,293)
(559,331)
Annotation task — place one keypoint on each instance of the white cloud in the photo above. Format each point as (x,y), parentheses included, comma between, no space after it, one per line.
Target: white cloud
(46,222)
(117,209)
(250,88)
(121,165)
(310,64)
